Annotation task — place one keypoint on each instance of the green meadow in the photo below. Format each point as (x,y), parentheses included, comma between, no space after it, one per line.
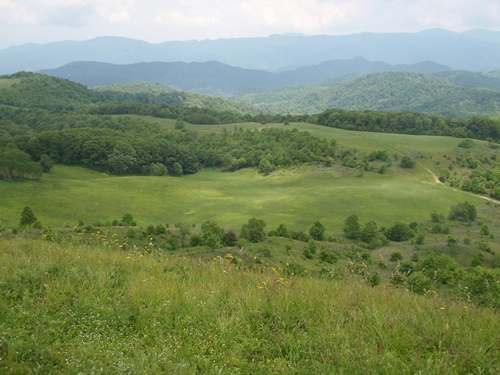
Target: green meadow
(295,197)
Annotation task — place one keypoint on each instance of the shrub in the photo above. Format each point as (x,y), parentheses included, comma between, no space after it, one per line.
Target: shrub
(407,162)
(463,212)
(328,256)
(395,257)
(419,283)
(399,232)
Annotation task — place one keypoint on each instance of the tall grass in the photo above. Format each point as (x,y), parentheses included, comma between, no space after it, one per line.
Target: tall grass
(80,309)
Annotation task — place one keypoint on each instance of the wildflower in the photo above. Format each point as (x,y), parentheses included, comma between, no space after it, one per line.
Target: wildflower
(442,308)
(129,256)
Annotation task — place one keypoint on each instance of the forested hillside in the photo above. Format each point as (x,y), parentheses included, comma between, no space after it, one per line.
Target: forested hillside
(391,91)
(217,79)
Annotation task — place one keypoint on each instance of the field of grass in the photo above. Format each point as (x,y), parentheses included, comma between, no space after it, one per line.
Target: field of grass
(5,83)
(295,197)
(83,309)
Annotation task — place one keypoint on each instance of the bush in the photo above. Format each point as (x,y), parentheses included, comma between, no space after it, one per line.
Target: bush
(395,257)
(399,232)
(407,162)
(328,256)
(419,283)
(463,212)
(466,143)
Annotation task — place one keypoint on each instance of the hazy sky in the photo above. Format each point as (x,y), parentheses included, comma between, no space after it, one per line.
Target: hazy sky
(43,21)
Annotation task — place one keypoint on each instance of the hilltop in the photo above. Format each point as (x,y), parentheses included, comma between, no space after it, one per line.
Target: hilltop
(389,91)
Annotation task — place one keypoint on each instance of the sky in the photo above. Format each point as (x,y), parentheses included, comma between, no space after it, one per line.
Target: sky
(156,21)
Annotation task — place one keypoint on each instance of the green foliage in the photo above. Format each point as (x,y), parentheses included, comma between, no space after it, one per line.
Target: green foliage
(463,212)
(399,232)
(409,123)
(437,218)
(466,143)
(253,231)
(211,234)
(481,286)
(418,282)
(328,256)
(407,162)
(396,257)
(265,166)
(352,229)
(485,230)
(46,163)
(317,231)
(16,165)
(404,92)
(28,218)
(281,231)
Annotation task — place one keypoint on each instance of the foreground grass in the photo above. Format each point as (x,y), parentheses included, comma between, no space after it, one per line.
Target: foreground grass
(78,309)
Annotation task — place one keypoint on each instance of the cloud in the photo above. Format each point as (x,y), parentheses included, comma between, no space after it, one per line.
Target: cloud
(13,12)
(157,21)
(189,19)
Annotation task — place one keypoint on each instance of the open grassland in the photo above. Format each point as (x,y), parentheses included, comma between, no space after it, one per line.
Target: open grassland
(295,197)
(83,309)
(6,83)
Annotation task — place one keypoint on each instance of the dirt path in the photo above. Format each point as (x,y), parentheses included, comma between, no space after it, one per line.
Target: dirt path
(480,196)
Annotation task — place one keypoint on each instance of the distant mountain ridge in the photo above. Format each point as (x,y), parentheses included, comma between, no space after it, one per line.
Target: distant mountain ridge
(474,50)
(215,78)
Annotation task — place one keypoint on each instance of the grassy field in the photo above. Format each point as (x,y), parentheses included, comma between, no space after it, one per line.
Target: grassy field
(83,309)
(5,83)
(295,197)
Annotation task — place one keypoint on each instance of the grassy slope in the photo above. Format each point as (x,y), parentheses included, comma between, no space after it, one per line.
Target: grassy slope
(295,197)
(81,309)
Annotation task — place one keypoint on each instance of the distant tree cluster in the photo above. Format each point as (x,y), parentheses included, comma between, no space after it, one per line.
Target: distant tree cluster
(410,123)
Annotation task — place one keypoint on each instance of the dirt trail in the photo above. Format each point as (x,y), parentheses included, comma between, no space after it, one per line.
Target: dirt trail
(480,196)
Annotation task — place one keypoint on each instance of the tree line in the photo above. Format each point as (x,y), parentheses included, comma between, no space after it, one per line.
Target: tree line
(410,123)
(174,152)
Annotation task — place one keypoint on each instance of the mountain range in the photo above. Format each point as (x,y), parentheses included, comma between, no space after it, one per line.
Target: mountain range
(215,78)
(474,50)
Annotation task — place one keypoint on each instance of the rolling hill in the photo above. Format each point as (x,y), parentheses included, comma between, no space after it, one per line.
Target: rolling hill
(215,78)
(389,91)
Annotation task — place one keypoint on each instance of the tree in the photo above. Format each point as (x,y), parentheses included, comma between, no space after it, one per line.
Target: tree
(212,234)
(28,218)
(407,162)
(128,220)
(317,231)
(352,229)
(399,232)
(282,231)
(463,212)
(16,165)
(46,163)
(253,231)
(369,231)
(265,166)
(176,170)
